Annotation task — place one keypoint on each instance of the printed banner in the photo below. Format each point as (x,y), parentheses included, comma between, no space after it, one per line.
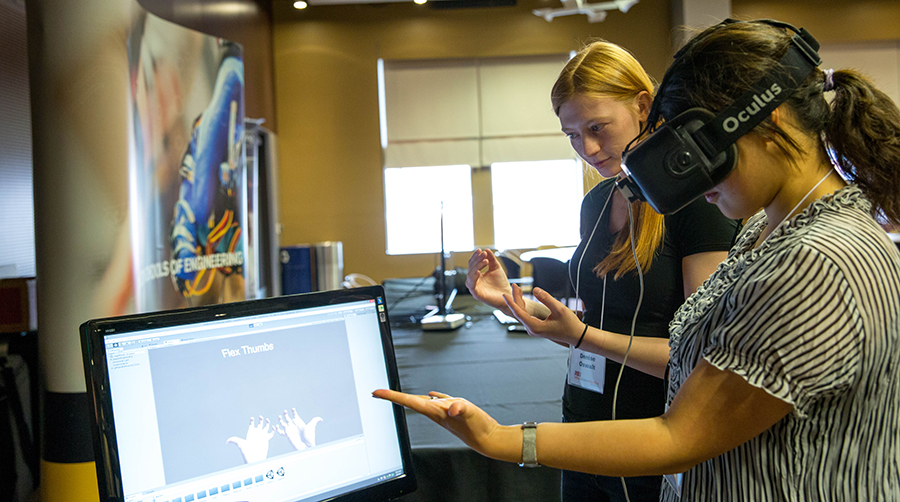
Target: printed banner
(186,170)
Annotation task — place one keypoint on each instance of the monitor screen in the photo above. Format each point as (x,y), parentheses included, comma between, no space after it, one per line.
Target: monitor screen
(259,400)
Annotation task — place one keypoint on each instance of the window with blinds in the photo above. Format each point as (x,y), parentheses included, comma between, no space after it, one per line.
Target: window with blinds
(420,200)
(475,112)
(441,114)
(17,254)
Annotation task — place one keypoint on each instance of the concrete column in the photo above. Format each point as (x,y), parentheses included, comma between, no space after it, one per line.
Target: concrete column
(78,71)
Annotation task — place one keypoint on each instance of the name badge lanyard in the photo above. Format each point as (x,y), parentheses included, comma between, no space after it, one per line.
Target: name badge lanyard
(586,369)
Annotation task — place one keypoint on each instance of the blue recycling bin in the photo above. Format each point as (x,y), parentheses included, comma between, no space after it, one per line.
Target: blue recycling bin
(297,269)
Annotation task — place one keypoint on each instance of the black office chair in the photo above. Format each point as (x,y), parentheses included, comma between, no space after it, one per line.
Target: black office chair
(552,276)
(513,270)
(18,354)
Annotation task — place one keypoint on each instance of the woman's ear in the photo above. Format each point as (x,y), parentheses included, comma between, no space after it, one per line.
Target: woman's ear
(643,101)
(784,117)
(777,117)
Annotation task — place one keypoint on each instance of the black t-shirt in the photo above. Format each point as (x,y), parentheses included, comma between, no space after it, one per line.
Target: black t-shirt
(698,228)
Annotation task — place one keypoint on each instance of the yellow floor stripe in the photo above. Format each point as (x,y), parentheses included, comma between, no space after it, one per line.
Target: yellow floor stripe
(68,482)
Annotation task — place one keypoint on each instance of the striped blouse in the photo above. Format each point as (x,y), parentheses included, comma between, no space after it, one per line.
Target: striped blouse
(812,316)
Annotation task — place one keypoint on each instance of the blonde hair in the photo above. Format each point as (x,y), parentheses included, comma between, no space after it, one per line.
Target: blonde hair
(604,69)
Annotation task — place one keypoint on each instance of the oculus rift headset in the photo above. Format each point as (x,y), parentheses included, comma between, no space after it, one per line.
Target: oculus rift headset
(694,151)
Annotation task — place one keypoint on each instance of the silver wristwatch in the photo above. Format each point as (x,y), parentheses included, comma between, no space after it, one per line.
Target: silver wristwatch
(529,445)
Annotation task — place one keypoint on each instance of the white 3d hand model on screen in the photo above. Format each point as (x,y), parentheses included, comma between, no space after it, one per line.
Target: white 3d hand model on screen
(299,433)
(256,446)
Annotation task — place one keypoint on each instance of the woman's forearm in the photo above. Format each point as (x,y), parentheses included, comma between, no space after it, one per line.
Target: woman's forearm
(647,354)
(610,448)
(713,412)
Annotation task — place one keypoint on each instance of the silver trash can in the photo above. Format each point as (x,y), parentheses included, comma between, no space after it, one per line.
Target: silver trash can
(329,265)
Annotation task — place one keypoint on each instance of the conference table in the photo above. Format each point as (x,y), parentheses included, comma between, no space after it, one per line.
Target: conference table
(510,375)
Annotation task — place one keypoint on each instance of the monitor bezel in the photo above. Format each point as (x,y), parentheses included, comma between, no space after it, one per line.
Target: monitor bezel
(103,431)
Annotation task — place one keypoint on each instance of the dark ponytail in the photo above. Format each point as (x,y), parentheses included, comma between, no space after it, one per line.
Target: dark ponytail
(864,131)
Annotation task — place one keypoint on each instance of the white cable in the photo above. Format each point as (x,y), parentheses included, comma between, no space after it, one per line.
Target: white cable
(584,252)
(603,304)
(637,309)
(811,190)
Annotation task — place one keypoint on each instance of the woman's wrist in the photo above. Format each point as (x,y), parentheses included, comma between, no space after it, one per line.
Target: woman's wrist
(494,299)
(506,444)
(581,338)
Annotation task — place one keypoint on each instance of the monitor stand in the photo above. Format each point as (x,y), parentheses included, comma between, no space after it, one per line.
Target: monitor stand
(442,318)
(447,322)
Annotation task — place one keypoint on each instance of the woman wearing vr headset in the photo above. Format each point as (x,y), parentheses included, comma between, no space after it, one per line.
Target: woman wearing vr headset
(602,97)
(784,369)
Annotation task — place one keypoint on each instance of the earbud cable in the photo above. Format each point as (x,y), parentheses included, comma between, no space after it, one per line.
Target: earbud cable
(637,309)
(603,301)
(584,252)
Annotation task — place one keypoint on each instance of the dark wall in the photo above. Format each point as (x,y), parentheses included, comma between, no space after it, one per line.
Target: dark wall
(247,22)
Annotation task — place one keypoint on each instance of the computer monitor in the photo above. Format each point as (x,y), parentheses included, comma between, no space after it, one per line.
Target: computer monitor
(257,400)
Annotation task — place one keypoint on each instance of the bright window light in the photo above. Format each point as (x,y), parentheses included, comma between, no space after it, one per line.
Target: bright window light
(536,203)
(382,106)
(412,200)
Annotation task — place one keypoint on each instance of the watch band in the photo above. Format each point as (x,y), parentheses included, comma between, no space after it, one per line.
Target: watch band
(529,445)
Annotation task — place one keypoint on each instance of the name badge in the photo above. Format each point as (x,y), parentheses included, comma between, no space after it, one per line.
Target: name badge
(587,370)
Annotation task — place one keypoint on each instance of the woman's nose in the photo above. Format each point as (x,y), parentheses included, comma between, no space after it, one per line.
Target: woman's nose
(590,146)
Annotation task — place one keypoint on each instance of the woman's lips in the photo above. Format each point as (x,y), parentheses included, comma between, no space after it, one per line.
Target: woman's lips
(600,164)
(711,197)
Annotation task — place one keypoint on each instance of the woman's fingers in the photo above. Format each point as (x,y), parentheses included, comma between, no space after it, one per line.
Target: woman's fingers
(456,408)
(478,260)
(548,300)
(517,311)
(426,405)
(517,295)
(476,264)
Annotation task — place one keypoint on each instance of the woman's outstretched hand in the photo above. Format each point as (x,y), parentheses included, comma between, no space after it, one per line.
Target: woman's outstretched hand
(561,325)
(466,421)
(490,285)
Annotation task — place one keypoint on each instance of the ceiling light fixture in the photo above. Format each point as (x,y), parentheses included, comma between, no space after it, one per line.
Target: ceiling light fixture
(420,2)
(300,4)
(596,12)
